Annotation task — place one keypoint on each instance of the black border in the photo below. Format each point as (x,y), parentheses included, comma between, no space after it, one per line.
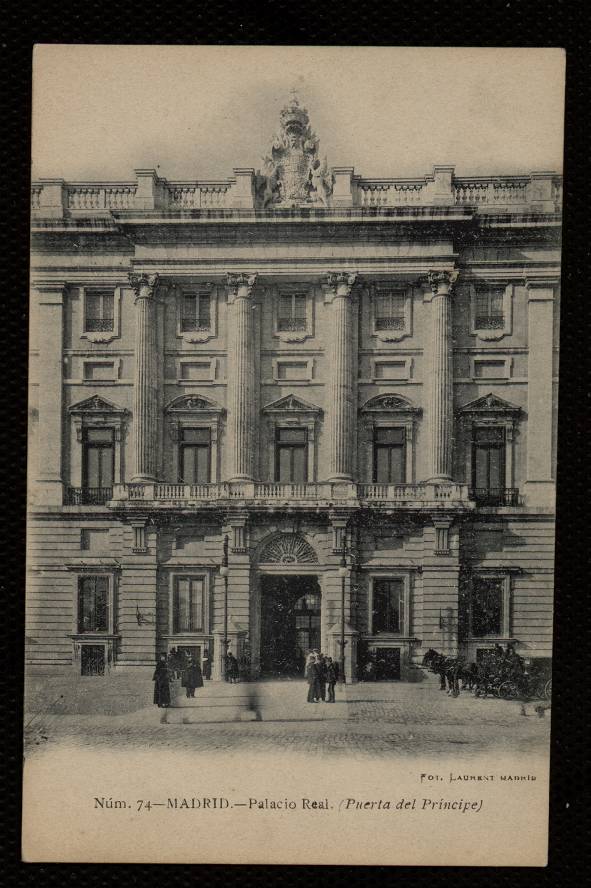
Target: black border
(509,23)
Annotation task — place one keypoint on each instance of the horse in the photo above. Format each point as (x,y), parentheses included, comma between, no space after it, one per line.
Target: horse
(451,670)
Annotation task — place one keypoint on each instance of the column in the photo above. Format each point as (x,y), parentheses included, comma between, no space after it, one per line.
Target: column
(241,377)
(145,401)
(340,409)
(440,391)
(50,335)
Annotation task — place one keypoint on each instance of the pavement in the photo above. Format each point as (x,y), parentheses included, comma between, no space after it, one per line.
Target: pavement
(367,720)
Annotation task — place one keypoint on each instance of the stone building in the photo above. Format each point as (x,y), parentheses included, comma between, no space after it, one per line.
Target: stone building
(291,409)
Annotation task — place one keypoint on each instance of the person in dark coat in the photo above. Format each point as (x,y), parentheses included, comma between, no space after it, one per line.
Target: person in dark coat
(331,680)
(321,664)
(191,677)
(313,679)
(232,672)
(206,665)
(162,684)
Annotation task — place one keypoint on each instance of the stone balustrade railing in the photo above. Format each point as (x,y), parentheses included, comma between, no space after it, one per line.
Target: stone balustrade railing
(325,492)
(535,193)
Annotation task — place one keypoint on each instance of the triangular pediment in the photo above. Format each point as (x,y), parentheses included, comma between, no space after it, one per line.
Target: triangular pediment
(489,404)
(291,403)
(96,404)
(192,402)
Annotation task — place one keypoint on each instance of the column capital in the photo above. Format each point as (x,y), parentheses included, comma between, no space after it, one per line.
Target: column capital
(339,283)
(143,285)
(240,285)
(442,282)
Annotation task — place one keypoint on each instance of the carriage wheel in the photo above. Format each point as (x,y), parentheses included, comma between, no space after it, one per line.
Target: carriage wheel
(548,689)
(508,690)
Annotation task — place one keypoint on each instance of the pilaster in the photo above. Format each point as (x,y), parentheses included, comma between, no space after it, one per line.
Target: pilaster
(50,314)
(241,378)
(340,413)
(439,395)
(145,414)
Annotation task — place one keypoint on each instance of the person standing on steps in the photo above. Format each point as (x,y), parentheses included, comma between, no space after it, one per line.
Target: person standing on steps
(161,681)
(232,672)
(313,678)
(321,663)
(192,677)
(331,679)
(206,665)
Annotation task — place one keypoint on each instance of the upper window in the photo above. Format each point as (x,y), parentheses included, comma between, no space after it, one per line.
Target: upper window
(195,312)
(488,461)
(99,316)
(292,311)
(291,455)
(388,605)
(195,456)
(490,313)
(389,465)
(93,604)
(390,310)
(98,459)
(188,606)
(486,609)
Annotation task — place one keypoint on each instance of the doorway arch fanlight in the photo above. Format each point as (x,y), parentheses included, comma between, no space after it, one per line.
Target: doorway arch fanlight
(287,548)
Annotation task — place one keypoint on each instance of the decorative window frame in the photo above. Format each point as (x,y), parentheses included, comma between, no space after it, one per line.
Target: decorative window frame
(116,362)
(195,572)
(391,359)
(491,411)
(376,413)
(390,574)
(195,412)
(97,413)
(98,568)
(492,574)
(507,329)
(487,359)
(196,359)
(391,335)
(101,336)
(295,359)
(193,336)
(292,335)
(291,411)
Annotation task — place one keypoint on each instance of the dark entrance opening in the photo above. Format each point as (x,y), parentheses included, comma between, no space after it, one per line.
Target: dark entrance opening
(92,659)
(290,623)
(388,664)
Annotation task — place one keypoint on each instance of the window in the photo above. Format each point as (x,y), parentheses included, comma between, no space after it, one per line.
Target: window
(390,310)
(291,455)
(194,456)
(98,454)
(188,604)
(486,610)
(93,604)
(292,311)
(195,311)
(387,606)
(99,311)
(488,462)
(490,314)
(389,458)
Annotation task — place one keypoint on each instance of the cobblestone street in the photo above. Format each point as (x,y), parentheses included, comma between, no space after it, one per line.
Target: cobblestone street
(385,719)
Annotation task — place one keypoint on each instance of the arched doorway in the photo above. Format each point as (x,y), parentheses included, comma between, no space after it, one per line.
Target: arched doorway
(290,623)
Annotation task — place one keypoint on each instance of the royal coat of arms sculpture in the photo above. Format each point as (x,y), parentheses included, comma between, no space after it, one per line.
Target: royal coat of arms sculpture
(295,175)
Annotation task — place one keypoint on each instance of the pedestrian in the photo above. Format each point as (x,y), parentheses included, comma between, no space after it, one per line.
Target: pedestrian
(232,672)
(321,664)
(162,684)
(331,679)
(191,676)
(312,677)
(206,665)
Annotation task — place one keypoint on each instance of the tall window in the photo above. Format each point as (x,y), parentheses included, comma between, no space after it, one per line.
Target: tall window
(98,454)
(389,459)
(292,311)
(99,311)
(489,308)
(196,312)
(388,606)
(195,456)
(291,455)
(188,604)
(389,310)
(486,610)
(93,604)
(488,463)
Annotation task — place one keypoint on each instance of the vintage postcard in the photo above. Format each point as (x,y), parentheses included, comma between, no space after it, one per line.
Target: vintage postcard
(292,454)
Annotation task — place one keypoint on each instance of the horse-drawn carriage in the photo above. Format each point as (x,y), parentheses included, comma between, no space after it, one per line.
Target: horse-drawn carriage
(499,673)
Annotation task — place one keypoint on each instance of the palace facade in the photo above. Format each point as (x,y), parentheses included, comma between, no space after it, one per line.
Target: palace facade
(292,409)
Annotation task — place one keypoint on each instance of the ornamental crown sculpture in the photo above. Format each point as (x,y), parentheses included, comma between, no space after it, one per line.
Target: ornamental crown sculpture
(295,175)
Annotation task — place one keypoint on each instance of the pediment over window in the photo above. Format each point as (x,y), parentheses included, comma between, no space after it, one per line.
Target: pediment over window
(389,404)
(96,404)
(490,404)
(288,548)
(193,403)
(291,404)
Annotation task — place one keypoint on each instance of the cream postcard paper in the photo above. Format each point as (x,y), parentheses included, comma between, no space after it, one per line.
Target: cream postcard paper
(292,451)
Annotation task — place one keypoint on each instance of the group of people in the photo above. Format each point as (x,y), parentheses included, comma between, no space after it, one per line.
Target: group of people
(179,665)
(322,674)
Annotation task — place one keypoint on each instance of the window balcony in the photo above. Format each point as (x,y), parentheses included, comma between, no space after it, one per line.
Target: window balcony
(390,323)
(289,325)
(490,322)
(495,496)
(88,496)
(190,325)
(99,325)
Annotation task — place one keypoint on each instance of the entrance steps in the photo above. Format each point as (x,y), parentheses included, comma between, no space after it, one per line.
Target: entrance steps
(278,701)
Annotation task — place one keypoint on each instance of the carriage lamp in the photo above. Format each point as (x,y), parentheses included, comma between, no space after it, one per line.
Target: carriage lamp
(343,572)
(224,574)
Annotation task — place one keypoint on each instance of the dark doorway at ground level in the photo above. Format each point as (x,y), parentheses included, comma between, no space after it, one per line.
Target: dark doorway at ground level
(290,623)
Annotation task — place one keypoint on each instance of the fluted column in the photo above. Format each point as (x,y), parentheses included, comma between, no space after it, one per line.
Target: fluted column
(241,377)
(340,416)
(440,392)
(145,396)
